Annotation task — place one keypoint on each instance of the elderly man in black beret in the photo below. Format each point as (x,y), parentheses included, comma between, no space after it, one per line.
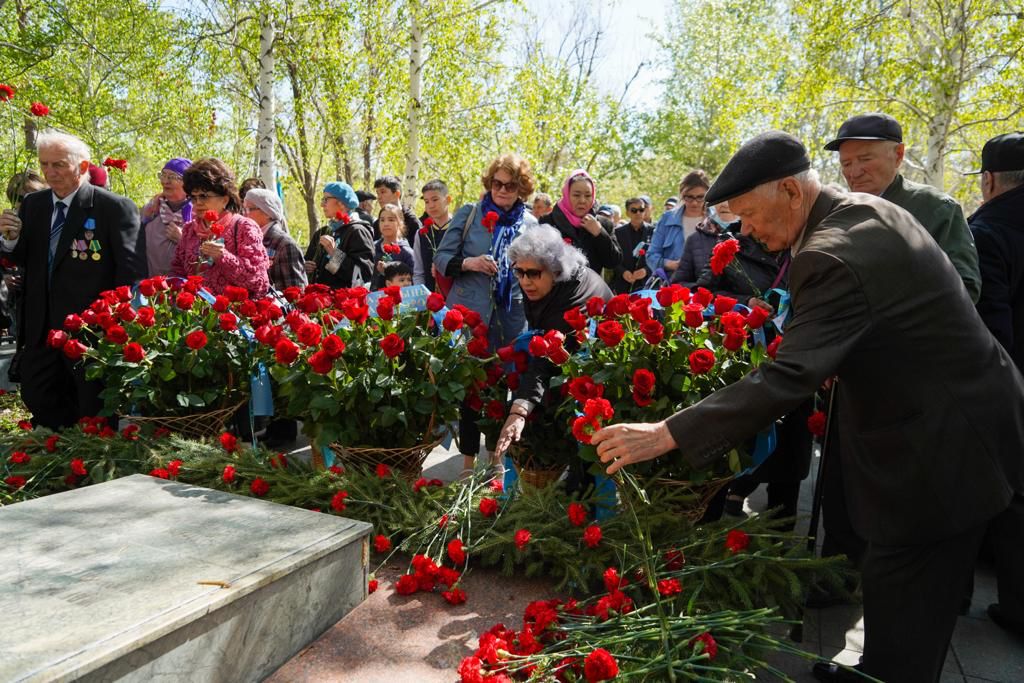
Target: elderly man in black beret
(931,406)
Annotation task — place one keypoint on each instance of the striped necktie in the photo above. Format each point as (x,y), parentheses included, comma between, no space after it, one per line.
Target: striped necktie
(58,223)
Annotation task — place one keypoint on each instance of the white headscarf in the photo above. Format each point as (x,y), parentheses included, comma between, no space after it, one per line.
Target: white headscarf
(266,201)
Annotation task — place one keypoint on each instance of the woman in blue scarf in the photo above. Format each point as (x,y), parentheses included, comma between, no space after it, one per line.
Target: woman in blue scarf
(474,252)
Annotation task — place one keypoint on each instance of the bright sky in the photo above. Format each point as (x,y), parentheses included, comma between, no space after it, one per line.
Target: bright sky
(628,23)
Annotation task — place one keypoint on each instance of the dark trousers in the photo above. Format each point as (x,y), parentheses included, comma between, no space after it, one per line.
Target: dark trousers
(840,537)
(54,390)
(1005,538)
(912,597)
(469,431)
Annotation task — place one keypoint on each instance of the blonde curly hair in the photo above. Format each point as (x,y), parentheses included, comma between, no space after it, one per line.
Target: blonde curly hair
(517,167)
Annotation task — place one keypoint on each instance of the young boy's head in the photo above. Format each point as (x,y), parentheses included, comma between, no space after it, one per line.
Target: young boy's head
(397,274)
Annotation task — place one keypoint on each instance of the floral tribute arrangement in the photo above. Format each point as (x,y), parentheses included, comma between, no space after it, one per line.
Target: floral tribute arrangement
(176,353)
(642,367)
(386,378)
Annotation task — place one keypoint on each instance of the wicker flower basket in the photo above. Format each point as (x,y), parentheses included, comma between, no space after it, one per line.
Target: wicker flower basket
(697,495)
(531,473)
(199,425)
(407,461)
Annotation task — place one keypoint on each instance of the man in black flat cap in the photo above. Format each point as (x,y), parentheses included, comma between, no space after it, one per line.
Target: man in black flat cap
(998,228)
(931,406)
(365,208)
(871,151)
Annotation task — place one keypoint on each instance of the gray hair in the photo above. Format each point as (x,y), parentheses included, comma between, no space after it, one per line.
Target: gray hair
(77,150)
(544,197)
(1009,179)
(266,201)
(770,189)
(544,244)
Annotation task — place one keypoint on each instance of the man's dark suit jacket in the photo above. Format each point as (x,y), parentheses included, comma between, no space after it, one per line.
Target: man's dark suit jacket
(931,407)
(75,282)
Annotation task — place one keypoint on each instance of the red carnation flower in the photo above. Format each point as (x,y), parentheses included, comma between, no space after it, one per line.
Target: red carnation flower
(612,580)
(392,345)
(6,92)
(455,596)
(577,514)
(392,249)
(490,220)
(19,458)
(210,216)
(229,442)
(708,643)
(736,540)
(600,666)
(723,254)
(701,361)
(583,428)
(134,353)
(407,584)
(816,423)
(160,473)
(15,481)
(669,587)
(592,536)
(78,467)
(383,471)
(610,332)
(456,551)
(522,537)
(488,507)
(674,560)
(228,475)
(342,217)
(381,543)
(173,467)
(51,443)
(338,501)
(371,587)
(196,340)
(119,164)
(259,487)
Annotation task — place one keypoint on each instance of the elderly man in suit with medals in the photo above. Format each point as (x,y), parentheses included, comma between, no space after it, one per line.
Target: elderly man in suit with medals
(931,406)
(73,241)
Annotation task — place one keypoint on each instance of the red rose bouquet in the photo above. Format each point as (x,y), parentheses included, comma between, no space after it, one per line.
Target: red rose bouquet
(170,353)
(643,367)
(366,372)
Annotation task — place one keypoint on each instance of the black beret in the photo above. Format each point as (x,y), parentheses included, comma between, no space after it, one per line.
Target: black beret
(1002,153)
(363,195)
(768,156)
(873,126)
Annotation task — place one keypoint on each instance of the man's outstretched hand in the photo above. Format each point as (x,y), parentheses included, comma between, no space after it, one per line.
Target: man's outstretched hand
(625,444)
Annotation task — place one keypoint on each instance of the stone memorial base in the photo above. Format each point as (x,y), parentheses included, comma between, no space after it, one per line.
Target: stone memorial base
(141,579)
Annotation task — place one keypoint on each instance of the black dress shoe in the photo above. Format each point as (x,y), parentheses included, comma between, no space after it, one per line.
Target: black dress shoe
(996,614)
(831,672)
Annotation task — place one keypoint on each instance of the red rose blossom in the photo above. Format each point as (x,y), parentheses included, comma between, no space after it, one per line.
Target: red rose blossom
(701,361)
(285,352)
(196,340)
(703,296)
(694,314)
(56,339)
(74,349)
(435,302)
(757,317)
(321,363)
(184,300)
(724,304)
(73,323)
(392,345)
(610,332)
(653,331)
(773,348)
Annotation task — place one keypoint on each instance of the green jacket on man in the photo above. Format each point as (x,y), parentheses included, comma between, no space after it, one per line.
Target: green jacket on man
(944,220)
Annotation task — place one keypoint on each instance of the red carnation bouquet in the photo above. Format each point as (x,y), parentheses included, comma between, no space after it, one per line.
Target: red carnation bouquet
(364,371)
(172,352)
(642,367)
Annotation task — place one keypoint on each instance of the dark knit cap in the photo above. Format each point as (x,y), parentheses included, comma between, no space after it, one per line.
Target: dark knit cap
(1002,153)
(768,156)
(873,126)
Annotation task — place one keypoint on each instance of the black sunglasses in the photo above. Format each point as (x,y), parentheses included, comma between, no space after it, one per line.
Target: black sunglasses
(529,273)
(637,209)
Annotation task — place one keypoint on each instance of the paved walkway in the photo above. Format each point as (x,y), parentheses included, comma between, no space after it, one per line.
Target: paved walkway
(389,639)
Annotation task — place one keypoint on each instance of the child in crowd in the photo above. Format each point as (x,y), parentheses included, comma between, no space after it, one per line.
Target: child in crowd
(397,274)
(392,246)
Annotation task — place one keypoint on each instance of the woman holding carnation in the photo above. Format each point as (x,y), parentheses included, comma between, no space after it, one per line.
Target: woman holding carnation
(575,217)
(392,245)
(218,243)
(749,277)
(341,253)
(556,279)
(474,253)
(164,216)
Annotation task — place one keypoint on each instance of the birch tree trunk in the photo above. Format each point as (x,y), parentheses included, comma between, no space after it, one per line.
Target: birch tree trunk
(265,130)
(412,152)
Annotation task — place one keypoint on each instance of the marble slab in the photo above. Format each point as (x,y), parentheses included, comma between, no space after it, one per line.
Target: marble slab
(142,579)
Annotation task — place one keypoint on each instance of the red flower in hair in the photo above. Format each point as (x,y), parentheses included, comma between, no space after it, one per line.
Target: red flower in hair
(39,109)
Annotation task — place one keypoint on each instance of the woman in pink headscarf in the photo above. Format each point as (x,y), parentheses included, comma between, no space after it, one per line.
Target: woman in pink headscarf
(574,216)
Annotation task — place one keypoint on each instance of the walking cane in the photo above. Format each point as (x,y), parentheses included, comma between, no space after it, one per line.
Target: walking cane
(819,492)
(797,632)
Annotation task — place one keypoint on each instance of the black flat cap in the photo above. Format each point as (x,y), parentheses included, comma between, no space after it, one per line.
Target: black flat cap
(873,126)
(1002,153)
(768,156)
(363,195)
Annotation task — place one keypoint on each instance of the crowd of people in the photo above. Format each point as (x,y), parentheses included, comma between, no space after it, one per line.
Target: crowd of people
(891,269)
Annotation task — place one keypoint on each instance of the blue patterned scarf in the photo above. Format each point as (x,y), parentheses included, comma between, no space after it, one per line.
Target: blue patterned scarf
(506,230)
